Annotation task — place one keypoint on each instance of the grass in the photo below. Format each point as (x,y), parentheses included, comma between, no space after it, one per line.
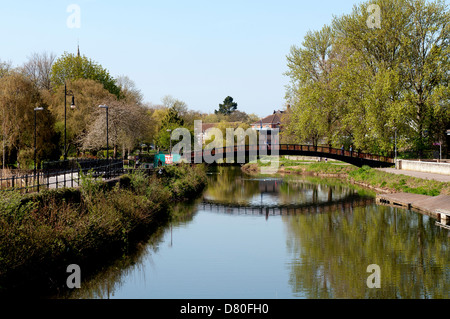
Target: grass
(399,183)
(367,176)
(42,232)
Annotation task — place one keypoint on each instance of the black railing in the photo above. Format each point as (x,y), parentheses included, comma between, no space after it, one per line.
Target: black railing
(63,174)
(298,148)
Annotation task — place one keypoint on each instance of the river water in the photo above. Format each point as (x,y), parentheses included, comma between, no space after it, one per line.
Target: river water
(270,237)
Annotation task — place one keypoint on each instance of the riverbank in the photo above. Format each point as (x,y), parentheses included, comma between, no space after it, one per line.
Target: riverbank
(379,181)
(41,234)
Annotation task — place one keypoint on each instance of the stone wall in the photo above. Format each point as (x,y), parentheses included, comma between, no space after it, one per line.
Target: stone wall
(426,167)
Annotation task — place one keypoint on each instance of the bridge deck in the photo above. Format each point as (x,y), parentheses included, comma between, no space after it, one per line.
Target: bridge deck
(354,157)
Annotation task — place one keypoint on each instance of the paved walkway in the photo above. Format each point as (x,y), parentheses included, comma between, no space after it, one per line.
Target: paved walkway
(436,177)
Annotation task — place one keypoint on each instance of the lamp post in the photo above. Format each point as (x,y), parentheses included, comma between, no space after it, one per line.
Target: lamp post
(35,134)
(395,147)
(72,106)
(107,133)
(170,139)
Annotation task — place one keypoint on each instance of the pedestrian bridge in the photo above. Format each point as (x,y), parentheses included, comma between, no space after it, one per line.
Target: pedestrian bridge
(355,158)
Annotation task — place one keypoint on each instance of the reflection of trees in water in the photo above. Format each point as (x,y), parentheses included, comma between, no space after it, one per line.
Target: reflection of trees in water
(103,284)
(230,185)
(331,253)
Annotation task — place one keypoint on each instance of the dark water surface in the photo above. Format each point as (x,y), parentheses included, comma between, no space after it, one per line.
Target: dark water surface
(282,237)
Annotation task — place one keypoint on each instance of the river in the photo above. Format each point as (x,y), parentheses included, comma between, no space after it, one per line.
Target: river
(270,237)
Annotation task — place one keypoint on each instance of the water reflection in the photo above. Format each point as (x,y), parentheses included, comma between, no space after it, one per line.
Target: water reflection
(320,237)
(230,186)
(330,254)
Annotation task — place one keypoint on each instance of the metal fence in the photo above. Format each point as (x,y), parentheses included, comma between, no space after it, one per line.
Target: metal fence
(62,174)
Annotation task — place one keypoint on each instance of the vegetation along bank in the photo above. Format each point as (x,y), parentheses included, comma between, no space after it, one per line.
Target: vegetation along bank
(381,182)
(41,234)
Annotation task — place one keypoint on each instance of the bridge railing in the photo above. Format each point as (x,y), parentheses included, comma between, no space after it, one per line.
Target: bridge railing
(296,147)
(61,174)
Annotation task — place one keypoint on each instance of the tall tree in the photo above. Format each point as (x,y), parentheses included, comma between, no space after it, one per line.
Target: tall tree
(228,106)
(72,67)
(171,121)
(128,124)
(372,83)
(128,89)
(314,106)
(18,99)
(38,69)
(89,94)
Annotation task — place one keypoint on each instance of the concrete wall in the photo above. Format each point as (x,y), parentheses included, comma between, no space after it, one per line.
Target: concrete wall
(426,167)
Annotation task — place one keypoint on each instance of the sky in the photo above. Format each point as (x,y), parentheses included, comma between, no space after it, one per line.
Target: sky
(197,51)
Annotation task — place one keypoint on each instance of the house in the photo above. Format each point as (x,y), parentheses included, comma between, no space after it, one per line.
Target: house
(269,123)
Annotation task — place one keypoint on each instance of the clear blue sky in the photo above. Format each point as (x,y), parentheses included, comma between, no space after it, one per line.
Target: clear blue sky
(197,51)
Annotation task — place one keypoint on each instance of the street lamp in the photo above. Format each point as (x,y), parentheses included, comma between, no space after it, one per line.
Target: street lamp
(170,138)
(35,134)
(107,133)
(72,106)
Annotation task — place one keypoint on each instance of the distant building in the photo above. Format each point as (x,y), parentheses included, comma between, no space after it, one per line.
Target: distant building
(269,122)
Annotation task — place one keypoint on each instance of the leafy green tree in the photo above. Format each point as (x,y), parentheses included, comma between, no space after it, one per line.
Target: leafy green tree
(89,94)
(72,67)
(228,106)
(425,67)
(314,107)
(368,84)
(171,121)
(18,98)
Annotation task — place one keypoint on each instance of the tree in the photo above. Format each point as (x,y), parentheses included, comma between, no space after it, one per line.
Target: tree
(427,61)
(38,69)
(128,89)
(18,98)
(128,124)
(228,106)
(5,68)
(89,94)
(368,84)
(405,61)
(171,121)
(314,107)
(72,67)
(179,106)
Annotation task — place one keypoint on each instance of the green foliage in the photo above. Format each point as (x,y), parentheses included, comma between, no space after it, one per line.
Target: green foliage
(172,118)
(12,207)
(47,229)
(398,183)
(184,180)
(170,122)
(72,67)
(90,186)
(353,83)
(228,106)
(18,98)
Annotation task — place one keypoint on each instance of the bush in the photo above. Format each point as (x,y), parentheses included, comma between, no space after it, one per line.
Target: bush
(41,230)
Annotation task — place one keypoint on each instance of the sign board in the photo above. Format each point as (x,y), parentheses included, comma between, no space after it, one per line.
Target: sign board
(169,159)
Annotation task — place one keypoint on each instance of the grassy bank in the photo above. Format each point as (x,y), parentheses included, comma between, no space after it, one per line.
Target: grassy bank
(365,176)
(41,234)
